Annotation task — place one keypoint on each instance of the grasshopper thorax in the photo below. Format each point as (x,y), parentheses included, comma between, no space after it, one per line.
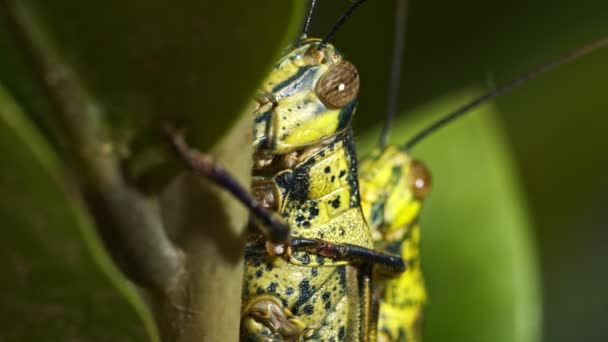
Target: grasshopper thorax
(309,97)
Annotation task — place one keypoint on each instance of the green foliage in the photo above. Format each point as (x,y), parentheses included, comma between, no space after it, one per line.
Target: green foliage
(142,64)
(146,63)
(57,283)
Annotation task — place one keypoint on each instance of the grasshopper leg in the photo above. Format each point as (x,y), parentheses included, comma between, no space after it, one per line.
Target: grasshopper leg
(275,231)
(384,263)
(265,318)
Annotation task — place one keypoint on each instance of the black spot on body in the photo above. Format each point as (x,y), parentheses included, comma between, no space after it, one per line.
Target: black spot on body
(326,296)
(336,203)
(259,290)
(306,224)
(342,173)
(341,332)
(305,293)
(272,287)
(305,259)
(301,183)
(308,309)
(320,259)
(333,178)
(258,273)
(289,291)
(314,210)
(269,267)
(327,169)
(327,305)
(314,271)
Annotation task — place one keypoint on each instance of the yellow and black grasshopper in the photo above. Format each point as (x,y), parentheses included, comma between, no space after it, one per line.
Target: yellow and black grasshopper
(393,186)
(310,262)
(308,274)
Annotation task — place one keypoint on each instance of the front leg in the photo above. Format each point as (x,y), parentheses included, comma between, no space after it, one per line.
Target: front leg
(276,232)
(265,318)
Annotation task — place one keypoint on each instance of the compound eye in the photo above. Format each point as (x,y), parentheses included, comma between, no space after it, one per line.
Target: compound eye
(339,86)
(420,179)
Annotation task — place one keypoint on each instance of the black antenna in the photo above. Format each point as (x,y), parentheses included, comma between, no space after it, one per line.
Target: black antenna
(530,74)
(308,17)
(395,72)
(341,21)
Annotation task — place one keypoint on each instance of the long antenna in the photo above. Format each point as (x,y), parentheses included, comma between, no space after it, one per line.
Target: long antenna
(530,74)
(395,71)
(341,21)
(311,7)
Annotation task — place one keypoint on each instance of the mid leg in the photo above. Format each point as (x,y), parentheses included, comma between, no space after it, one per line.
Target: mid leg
(382,262)
(276,232)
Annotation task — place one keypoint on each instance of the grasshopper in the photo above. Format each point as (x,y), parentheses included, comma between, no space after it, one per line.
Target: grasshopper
(393,187)
(311,259)
(309,262)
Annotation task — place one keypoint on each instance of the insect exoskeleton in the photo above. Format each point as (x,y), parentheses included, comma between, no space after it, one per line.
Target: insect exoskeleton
(393,186)
(305,169)
(309,258)
(308,98)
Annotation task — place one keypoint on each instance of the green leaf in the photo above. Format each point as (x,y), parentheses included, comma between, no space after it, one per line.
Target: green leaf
(57,283)
(477,249)
(148,63)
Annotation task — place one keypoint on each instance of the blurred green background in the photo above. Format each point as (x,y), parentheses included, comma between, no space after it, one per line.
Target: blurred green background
(551,130)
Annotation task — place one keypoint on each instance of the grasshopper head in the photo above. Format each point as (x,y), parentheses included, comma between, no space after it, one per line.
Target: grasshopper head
(394,186)
(309,96)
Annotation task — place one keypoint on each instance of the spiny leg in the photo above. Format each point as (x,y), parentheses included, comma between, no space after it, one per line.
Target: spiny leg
(275,231)
(384,263)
